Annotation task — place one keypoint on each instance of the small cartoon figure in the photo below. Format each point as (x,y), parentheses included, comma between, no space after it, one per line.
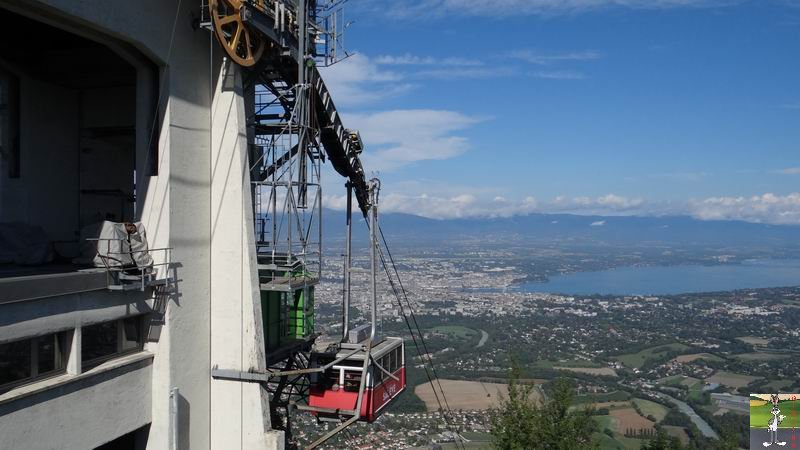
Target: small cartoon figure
(774,422)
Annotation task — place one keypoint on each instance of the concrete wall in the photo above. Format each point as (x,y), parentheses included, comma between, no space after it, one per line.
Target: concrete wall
(175,205)
(237,338)
(80,415)
(199,205)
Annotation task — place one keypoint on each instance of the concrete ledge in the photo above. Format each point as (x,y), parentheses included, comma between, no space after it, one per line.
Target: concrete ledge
(82,411)
(49,388)
(32,287)
(30,318)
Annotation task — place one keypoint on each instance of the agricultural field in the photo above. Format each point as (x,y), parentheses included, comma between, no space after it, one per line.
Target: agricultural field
(729,379)
(649,408)
(477,440)
(504,380)
(619,441)
(568,364)
(604,371)
(759,356)
(623,418)
(477,445)
(680,380)
(606,442)
(638,359)
(693,383)
(629,419)
(616,396)
(469,395)
(612,405)
(455,331)
(753,340)
(678,432)
(777,385)
(696,356)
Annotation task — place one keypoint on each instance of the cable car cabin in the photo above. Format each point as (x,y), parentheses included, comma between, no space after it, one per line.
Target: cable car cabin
(337,388)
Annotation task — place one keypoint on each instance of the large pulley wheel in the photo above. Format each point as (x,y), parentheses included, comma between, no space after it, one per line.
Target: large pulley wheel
(243,45)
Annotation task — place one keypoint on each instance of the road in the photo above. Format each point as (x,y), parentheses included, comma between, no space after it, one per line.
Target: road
(484,338)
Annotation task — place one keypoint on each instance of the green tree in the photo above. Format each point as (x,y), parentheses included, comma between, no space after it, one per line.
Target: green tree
(520,422)
(728,439)
(663,442)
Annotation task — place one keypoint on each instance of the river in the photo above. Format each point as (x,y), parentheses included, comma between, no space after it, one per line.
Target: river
(702,425)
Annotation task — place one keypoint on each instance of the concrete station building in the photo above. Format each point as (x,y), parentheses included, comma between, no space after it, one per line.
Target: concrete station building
(124,111)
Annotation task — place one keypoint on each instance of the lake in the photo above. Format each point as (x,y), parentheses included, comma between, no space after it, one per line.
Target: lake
(674,279)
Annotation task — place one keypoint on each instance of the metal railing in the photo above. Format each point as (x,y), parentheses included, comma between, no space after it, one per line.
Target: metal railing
(122,275)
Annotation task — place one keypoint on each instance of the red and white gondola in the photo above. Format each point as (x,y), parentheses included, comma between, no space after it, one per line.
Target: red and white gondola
(337,388)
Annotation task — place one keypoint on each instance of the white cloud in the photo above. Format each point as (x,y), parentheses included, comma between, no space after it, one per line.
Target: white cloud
(544,59)
(476,202)
(360,80)
(610,204)
(395,138)
(447,68)
(449,207)
(357,80)
(789,171)
(767,208)
(414,60)
(559,75)
(597,223)
(450,73)
(399,137)
(498,8)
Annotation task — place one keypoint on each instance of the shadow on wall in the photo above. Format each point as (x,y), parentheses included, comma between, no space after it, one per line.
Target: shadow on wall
(165,294)
(184,415)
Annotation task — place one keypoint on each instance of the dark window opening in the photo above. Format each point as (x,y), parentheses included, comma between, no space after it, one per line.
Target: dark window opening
(25,361)
(69,111)
(352,381)
(99,341)
(104,341)
(15,362)
(134,440)
(9,123)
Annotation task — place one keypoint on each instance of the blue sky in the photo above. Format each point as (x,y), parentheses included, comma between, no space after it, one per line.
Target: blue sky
(504,107)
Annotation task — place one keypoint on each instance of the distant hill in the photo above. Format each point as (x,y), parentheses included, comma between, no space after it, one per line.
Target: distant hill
(616,230)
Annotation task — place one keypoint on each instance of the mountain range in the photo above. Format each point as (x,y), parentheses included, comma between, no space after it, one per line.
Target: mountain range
(617,230)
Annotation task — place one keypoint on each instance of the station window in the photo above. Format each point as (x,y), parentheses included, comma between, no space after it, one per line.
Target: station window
(104,341)
(24,361)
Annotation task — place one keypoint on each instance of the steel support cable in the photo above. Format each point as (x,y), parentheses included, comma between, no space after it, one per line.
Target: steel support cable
(410,331)
(446,406)
(411,309)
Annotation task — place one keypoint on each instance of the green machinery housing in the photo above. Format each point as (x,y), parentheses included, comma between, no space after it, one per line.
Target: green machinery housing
(287,302)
